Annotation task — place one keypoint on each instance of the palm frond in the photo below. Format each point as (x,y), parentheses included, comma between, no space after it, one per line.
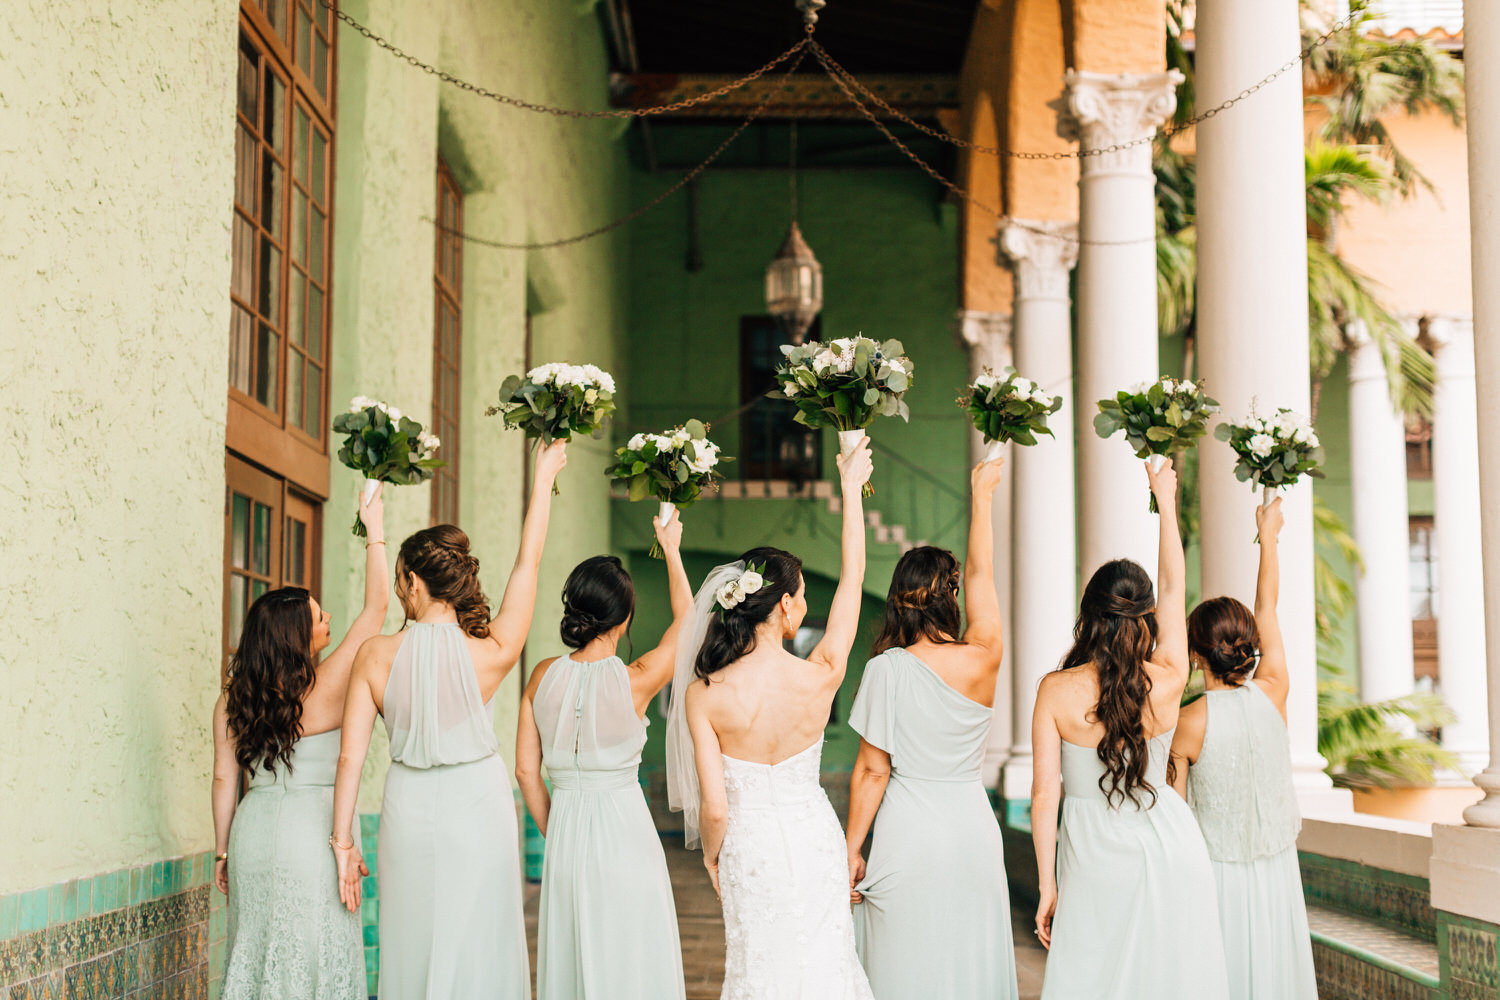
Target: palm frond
(1376,744)
(1176,279)
(1333,593)
(1333,173)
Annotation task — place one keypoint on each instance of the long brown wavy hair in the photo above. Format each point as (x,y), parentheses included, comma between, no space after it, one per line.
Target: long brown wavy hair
(269,675)
(1223,633)
(922,602)
(440,557)
(1116,632)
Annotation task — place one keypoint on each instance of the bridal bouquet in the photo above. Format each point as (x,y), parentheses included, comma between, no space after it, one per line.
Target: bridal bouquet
(385,445)
(845,384)
(1008,408)
(556,401)
(675,467)
(1159,418)
(1273,451)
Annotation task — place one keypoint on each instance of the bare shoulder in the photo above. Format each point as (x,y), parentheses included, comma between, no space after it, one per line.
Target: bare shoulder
(1193,716)
(378,650)
(700,695)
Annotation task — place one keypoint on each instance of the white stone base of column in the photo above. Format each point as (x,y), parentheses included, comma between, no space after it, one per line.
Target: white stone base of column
(1486,812)
(1326,801)
(1465,871)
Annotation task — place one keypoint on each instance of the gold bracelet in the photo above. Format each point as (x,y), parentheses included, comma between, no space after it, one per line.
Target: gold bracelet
(222,857)
(378,541)
(333,842)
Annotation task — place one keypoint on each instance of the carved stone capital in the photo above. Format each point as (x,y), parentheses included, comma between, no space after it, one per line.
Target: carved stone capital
(987,336)
(1041,254)
(1109,109)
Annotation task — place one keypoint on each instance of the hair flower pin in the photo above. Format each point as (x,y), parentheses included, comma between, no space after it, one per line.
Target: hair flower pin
(733,593)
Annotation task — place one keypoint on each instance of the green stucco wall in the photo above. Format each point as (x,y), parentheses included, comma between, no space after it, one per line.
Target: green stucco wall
(527,177)
(113,362)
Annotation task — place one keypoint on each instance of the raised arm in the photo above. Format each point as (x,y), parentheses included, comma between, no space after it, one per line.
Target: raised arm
(867,781)
(354,744)
(513,621)
(529,752)
(1271,673)
(371,616)
(843,615)
(981,603)
(1046,797)
(225,792)
(1171,577)
(713,808)
(653,671)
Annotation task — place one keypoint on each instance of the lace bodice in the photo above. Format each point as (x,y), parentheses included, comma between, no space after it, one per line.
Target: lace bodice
(1241,787)
(765,786)
(433,712)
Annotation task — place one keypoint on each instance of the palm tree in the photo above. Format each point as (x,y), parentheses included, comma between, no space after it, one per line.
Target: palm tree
(1380,744)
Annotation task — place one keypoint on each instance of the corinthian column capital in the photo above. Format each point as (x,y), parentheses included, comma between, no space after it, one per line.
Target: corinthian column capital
(1111,109)
(987,336)
(1042,254)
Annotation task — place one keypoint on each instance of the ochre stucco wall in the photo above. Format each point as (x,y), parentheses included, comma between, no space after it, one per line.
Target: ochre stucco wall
(116,135)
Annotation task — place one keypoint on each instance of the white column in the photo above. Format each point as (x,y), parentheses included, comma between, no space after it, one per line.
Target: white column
(1117,335)
(1482,89)
(1377,461)
(987,335)
(1252,325)
(1455,488)
(1044,591)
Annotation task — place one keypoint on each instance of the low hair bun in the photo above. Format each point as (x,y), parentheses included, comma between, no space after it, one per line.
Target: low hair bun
(599,596)
(1223,634)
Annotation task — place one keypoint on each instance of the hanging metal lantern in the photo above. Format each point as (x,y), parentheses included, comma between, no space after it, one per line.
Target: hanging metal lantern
(794,285)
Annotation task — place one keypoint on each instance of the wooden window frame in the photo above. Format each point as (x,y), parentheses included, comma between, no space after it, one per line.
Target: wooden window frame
(748,465)
(447,286)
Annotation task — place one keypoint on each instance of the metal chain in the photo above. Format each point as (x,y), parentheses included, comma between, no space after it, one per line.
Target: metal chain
(838,73)
(516,102)
(648,206)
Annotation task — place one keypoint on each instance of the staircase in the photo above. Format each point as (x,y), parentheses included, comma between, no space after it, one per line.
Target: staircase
(825,490)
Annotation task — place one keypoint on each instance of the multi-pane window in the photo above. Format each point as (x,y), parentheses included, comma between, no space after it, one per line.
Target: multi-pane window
(772,444)
(447,283)
(270,540)
(1424,596)
(1419,449)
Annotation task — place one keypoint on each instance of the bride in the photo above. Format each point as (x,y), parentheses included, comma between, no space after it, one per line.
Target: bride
(750,735)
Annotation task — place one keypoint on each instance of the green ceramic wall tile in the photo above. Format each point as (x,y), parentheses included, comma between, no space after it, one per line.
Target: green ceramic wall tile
(33,912)
(10,908)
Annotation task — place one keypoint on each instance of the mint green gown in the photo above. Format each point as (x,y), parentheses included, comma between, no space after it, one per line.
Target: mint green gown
(289,936)
(451,924)
(935,921)
(1241,791)
(606,924)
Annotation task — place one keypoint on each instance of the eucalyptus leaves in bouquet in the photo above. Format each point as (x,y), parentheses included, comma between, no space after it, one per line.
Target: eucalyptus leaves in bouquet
(1163,418)
(556,401)
(386,446)
(1008,407)
(676,467)
(845,384)
(1272,452)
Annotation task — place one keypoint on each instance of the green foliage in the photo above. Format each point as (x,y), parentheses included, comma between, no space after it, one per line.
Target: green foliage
(1333,594)
(1273,452)
(1163,418)
(676,466)
(379,447)
(1378,744)
(845,384)
(1009,409)
(553,410)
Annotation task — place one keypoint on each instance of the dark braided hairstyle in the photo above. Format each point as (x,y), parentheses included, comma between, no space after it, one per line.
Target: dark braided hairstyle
(923,600)
(1116,632)
(269,674)
(1222,631)
(440,557)
(731,633)
(598,596)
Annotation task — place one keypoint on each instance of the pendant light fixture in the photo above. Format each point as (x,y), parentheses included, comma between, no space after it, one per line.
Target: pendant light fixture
(794,278)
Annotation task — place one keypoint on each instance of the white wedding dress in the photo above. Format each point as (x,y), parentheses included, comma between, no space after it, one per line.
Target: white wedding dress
(784,881)
(783,866)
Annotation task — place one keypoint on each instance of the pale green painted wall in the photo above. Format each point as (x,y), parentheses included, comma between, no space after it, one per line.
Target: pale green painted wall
(114,356)
(527,177)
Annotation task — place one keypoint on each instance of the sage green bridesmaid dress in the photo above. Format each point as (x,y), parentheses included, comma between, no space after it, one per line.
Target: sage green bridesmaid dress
(1241,791)
(289,936)
(935,921)
(451,924)
(607,925)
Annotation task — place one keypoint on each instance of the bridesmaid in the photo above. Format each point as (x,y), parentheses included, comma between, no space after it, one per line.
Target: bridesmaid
(935,914)
(1233,763)
(278,719)
(1127,892)
(607,926)
(450,875)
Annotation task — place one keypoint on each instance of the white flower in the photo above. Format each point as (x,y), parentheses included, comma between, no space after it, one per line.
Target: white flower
(790,389)
(732,594)
(1023,387)
(986,381)
(680,438)
(735,591)
(844,363)
(751,581)
(1139,389)
(1261,445)
(662,442)
(1186,386)
(824,359)
(1041,397)
(636,442)
(359,403)
(394,414)
(1299,436)
(544,374)
(1168,386)
(1312,440)
(603,379)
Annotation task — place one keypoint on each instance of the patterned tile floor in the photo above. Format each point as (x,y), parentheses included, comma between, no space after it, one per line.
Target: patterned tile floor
(1408,949)
(701,927)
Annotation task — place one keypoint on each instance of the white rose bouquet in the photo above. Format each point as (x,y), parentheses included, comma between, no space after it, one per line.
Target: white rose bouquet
(845,384)
(1160,418)
(733,593)
(676,467)
(556,401)
(386,446)
(1008,408)
(1274,451)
